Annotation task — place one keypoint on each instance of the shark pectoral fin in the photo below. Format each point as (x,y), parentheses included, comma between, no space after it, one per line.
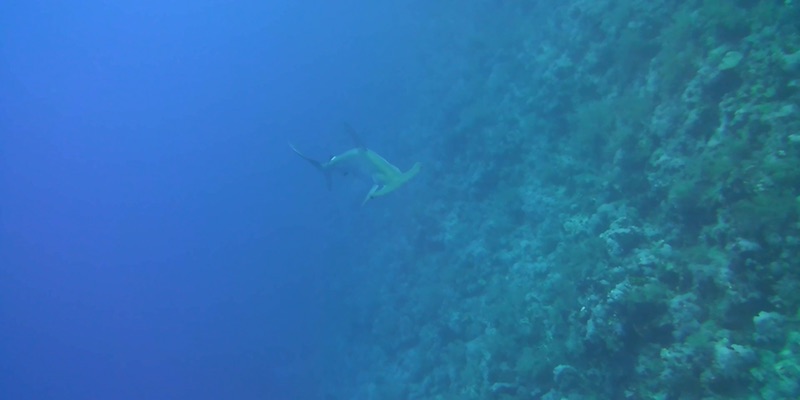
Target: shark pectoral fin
(370,194)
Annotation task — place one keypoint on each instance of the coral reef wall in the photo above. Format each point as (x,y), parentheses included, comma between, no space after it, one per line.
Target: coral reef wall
(608,210)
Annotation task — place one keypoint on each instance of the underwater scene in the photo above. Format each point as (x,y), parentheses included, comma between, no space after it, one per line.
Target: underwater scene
(444,200)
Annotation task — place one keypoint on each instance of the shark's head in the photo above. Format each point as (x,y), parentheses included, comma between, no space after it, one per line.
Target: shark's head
(392,184)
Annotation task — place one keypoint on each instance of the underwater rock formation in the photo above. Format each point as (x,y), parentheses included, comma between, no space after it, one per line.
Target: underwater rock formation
(612,213)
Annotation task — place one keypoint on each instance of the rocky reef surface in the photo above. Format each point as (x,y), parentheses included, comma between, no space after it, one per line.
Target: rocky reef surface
(608,210)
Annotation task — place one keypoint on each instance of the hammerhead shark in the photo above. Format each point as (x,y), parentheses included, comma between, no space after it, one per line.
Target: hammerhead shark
(361,160)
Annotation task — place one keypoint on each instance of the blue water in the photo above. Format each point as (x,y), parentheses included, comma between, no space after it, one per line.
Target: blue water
(157,238)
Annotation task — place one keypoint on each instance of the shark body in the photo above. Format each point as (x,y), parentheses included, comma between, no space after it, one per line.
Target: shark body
(362,161)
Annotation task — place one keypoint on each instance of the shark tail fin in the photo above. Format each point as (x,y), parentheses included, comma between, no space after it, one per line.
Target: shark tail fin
(318,165)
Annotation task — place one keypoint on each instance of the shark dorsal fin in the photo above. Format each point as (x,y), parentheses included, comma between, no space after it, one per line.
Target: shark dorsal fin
(354,137)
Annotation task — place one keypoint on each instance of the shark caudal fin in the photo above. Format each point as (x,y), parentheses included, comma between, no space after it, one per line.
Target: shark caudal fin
(318,165)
